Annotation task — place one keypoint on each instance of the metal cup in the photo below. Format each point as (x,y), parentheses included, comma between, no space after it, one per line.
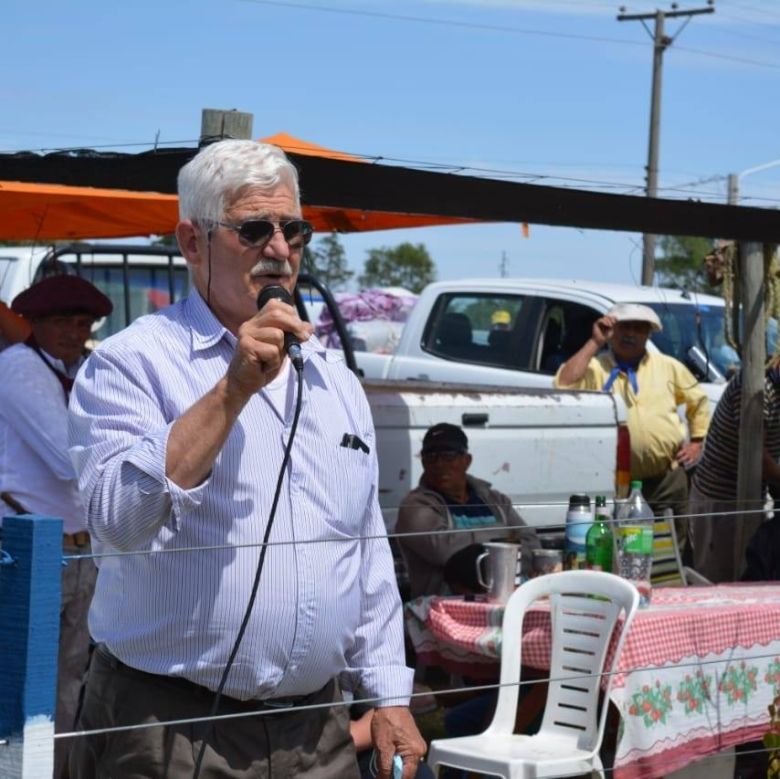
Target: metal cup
(504,564)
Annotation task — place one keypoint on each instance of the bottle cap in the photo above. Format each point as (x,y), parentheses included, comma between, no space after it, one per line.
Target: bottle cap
(601,501)
(580,499)
(636,485)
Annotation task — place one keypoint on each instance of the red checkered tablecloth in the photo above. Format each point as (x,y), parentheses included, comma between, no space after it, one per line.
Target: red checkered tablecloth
(698,668)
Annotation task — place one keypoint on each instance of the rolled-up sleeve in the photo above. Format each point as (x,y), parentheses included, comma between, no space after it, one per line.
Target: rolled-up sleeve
(593,379)
(118,436)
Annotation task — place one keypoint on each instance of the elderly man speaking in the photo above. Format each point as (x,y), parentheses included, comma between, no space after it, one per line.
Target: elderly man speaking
(229,468)
(652,385)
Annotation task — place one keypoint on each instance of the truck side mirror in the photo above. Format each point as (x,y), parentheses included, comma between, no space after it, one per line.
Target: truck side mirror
(701,366)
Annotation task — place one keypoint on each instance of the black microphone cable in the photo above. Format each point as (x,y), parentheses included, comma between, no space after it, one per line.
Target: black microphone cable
(258,572)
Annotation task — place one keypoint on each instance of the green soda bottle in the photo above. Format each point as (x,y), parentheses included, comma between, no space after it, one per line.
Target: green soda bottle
(599,541)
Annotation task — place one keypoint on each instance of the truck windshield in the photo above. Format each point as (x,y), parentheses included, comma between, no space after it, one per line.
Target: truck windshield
(686,325)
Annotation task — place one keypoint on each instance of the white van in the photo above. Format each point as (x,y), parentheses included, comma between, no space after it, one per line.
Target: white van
(139,279)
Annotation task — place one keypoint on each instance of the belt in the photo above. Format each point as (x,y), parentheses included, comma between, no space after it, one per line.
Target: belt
(76,539)
(200,692)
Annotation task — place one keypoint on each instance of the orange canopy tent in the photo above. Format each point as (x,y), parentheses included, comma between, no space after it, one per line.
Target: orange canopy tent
(48,212)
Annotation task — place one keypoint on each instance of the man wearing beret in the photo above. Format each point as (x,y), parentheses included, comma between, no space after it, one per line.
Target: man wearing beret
(36,475)
(652,385)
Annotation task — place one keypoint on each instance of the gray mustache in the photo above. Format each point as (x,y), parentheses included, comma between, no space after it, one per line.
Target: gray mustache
(263,267)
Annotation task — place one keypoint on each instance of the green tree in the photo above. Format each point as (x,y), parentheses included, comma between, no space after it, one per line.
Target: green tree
(407,265)
(682,263)
(328,261)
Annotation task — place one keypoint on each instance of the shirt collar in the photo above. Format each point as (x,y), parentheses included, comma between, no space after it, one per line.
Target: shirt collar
(207,330)
(613,360)
(60,365)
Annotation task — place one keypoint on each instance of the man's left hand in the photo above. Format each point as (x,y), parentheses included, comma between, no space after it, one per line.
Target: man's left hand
(394,732)
(688,454)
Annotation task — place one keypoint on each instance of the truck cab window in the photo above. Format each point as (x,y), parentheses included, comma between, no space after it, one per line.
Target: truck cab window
(483,329)
(567,326)
(148,290)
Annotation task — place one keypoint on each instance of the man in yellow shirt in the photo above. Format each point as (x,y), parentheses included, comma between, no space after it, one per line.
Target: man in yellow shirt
(652,386)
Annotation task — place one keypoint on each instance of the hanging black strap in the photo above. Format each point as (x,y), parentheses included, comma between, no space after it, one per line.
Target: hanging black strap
(64,380)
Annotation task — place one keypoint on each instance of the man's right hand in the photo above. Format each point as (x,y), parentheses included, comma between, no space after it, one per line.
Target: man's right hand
(603,329)
(260,349)
(198,435)
(572,371)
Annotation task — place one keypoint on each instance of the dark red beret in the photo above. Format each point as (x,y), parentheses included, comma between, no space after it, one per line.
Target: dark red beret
(61,295)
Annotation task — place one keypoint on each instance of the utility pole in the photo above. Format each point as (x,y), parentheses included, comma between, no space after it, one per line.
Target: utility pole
(217,124)
(503,270)
(735,178)
(661,42)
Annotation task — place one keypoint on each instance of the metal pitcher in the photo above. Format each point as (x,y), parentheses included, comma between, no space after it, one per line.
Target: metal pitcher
(504,563)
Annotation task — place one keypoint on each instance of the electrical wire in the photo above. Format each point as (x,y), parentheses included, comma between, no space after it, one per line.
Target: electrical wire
(569,677)
(447,22)
(555,527)
(258,572)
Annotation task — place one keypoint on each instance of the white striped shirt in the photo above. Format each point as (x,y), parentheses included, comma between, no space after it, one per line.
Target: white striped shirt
(323,609)
(34,465)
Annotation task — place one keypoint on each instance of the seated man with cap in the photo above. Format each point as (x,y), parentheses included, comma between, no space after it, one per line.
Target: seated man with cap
(37,476)
(449,499)
(652,386)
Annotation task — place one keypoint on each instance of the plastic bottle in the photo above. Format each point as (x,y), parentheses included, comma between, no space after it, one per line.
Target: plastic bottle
(634,534)
(599,540)
(578,521)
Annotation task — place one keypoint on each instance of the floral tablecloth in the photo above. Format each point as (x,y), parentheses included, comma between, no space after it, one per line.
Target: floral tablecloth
(698,669)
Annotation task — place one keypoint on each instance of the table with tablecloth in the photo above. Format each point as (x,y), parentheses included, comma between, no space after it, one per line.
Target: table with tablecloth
(698,669)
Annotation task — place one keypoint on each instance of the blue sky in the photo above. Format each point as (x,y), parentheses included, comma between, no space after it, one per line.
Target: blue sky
(554,89)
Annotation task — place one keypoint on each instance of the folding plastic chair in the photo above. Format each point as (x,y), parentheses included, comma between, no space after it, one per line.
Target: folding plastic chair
(667,569)
(585,607)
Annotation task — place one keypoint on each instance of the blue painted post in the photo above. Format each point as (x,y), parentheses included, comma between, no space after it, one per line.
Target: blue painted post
(29,636)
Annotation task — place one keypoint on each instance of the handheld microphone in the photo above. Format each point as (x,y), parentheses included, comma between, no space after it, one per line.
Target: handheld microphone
(291,344)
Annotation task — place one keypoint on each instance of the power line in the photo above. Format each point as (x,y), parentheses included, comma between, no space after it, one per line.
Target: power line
(501,29)
(445,22)
(773,41)
(756,9)
(730,58)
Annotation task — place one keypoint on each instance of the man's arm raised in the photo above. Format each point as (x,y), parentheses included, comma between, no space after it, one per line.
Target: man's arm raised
(574,368)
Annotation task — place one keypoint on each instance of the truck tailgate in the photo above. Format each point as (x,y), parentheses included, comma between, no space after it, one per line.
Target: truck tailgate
(536,446)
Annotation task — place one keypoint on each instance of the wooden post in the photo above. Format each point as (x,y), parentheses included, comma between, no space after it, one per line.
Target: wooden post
(29,636)
(751,424)
(217,125)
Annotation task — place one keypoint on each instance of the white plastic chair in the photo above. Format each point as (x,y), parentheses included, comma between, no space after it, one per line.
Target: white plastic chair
(569,739)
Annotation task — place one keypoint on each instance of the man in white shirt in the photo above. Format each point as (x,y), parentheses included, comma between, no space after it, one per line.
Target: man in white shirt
(179,426)
(36,475)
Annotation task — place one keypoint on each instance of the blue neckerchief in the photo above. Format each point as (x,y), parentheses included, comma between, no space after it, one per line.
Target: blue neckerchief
(622,367)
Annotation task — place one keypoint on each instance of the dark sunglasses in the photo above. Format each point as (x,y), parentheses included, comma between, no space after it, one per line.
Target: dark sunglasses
(256,233)
(447,455)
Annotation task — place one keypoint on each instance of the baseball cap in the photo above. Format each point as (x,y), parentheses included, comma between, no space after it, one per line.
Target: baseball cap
(500,317)
(636,312)
(444,437)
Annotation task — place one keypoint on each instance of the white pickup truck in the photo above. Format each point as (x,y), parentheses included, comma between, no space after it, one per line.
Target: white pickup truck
(536,445)
(517,332)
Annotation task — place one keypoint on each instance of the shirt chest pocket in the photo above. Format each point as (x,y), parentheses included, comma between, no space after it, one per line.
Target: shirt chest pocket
(347,489)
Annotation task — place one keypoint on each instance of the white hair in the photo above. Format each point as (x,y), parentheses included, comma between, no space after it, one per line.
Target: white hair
(215,176)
